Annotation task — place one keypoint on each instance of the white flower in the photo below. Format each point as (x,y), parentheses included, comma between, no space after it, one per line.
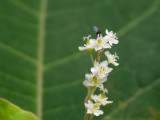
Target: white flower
(111,37)
(90,44)
(101,43)
(93,80)
(101,99)
(103,89)
(101,69)
(93,108)
(112,58)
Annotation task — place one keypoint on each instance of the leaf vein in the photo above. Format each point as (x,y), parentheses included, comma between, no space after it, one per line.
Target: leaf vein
(60,86)
(18,53)
(41,38)
(140,18)
(58,109)
(131,99)
(64,60)
(24,7)
(17,79)
(15,93)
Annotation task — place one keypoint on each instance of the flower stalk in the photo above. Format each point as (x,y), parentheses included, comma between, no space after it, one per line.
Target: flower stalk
(88,97)
(99,72)
(91,56)
(91,117)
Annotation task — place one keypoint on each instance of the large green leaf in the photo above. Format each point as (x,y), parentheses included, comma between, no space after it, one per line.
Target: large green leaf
(41,69)
(8,111)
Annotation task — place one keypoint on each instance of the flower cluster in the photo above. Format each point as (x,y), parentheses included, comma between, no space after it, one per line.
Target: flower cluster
(101,42)
(99,71)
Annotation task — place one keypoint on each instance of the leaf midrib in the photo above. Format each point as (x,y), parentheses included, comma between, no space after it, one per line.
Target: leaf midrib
(41,37)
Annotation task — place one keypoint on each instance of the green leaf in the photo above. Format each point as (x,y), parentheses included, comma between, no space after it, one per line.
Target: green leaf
(9,111)
(41,69)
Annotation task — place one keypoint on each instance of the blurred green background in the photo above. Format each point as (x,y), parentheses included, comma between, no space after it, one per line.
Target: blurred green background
(41,69)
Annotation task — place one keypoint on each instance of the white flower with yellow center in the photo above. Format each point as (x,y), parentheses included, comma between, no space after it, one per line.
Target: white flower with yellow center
(112,58)
(101,99)
(101,69)
(93,80)
(93,108)
(101,43)
(90,44)
(111,37)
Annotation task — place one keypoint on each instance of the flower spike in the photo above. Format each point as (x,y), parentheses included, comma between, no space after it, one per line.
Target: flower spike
(99,71)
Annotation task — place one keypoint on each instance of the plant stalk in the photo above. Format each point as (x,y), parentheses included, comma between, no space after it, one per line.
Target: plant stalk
(91,56)
(91,117)
(88,97)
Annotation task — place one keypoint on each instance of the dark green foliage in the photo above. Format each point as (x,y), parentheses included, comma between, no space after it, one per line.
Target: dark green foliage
(133,85)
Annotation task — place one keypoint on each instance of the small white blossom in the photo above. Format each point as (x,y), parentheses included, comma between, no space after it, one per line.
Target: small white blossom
(101,69)
(90,44)
(101,43)
(93,108)
(111,37)
(112,58)
(86,38)
(101,99)
(103,89)
(93,80)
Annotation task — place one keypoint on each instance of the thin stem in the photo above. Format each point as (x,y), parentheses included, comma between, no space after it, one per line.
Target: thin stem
(88,97)
(85,115)
(91,56)
(99,54)
(91,117)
